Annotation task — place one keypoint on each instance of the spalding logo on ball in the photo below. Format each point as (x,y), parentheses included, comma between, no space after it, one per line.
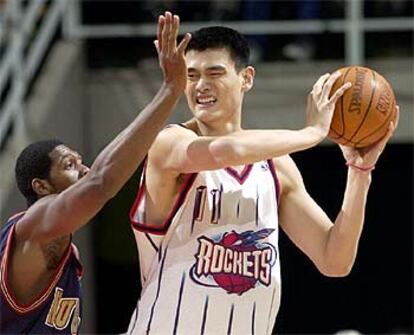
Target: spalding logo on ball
(362,115)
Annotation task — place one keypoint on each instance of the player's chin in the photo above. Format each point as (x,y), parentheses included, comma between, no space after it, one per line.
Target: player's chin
(205,113)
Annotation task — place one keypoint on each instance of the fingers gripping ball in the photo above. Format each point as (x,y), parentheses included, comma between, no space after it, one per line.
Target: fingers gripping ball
(362,115)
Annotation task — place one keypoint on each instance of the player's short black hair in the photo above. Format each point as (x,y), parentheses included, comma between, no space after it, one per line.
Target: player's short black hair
(34,162)
(217,37)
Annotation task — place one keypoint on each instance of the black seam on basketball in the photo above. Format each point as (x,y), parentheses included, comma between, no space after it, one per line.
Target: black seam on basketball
(385,123)
(369,106)
(336,133)
(347,141)
(342,104)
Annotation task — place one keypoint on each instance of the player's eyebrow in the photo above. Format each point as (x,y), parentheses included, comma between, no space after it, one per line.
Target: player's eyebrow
(77,155)
(210,68)
(70,155)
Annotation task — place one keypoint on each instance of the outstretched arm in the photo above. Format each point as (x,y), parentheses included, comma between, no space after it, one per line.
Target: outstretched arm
(332,247)
(191,153)
(61,214)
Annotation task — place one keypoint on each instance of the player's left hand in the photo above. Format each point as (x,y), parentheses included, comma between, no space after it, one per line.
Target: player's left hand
(170,55)
(320,105)
(368,156)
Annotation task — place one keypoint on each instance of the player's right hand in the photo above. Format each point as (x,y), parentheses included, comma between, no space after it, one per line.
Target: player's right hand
(368,156)
(171,56)
(320,107)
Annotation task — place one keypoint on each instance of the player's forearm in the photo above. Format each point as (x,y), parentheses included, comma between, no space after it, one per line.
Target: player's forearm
(249,146)
(344,236)
(118,161)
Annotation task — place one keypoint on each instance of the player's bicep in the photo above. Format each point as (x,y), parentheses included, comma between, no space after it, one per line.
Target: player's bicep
(305,223)
(61,214)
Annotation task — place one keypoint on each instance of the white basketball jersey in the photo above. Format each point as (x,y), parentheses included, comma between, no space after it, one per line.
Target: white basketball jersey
(213,266)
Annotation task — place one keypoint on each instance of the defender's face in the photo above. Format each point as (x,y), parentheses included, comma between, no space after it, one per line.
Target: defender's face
(214,87)
(66,169)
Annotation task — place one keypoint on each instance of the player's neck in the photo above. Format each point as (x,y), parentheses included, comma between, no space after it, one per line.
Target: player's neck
(218,128)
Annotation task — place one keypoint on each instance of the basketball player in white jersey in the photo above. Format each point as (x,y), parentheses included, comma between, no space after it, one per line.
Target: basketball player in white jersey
(213,196)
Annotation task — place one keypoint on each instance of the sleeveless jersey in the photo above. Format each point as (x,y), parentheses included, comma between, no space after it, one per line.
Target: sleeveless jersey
(213,266)
(57,310)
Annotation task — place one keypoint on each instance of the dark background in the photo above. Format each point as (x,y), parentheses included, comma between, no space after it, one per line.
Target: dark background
(126,51)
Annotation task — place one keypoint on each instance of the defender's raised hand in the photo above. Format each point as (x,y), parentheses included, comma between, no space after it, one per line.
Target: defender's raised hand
(171,56)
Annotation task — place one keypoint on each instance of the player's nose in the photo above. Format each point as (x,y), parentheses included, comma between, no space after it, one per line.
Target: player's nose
(83,170)
(203,85)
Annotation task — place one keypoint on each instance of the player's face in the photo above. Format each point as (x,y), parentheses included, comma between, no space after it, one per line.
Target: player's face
(214,87)
(66,169)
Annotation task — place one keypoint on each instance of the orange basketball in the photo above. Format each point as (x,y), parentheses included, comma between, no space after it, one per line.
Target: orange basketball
(363,113)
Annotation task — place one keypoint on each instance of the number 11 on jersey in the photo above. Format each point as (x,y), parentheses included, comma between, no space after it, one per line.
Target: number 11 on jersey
(200,204)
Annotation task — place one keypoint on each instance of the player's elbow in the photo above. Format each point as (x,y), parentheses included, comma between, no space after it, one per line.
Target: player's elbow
(225,150)
(102,186)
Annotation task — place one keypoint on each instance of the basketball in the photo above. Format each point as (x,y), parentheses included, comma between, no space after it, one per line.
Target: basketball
(362,115)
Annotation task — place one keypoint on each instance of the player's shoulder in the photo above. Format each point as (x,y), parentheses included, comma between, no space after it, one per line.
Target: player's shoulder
(170,136)
(189,126)
(174,132)
(16,217)
(31,218)
(166,146)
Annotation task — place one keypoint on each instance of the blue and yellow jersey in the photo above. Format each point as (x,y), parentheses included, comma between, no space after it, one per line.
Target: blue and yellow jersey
(56,310)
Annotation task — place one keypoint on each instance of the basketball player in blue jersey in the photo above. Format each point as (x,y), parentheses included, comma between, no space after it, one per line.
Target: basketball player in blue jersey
(213,197)
(40,268)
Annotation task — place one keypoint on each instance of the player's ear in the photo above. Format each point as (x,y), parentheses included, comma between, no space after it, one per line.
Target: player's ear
(248,74)
(42,187)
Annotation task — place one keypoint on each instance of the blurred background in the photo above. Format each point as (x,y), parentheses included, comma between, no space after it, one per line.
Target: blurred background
(81,70)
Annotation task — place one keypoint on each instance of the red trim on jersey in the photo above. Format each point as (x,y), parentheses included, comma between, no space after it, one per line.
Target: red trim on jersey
(160,229)
(16,215)
(79,268)
(177,125)
(241,178)
(278,186)
(5,288)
